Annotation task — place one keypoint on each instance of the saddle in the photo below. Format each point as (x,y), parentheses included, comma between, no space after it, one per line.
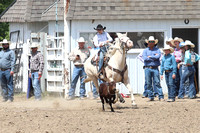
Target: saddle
(95,62)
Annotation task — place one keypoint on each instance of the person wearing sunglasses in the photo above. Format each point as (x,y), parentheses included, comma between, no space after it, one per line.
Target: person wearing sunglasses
(151,57)
(7,63)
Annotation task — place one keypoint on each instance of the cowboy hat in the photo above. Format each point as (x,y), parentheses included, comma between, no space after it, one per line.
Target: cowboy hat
(100,27)
(167,47)
(182,44)
(5,41)
(81,39)
(170,40)
(151,38)
(177,39)
(34,45)
(187,42)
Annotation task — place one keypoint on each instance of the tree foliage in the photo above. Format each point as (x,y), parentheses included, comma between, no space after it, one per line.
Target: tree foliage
(4,27)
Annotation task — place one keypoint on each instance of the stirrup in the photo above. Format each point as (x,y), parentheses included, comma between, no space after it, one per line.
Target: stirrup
(100,75)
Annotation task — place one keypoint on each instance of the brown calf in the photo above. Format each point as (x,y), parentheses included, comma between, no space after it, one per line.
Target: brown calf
(107,93)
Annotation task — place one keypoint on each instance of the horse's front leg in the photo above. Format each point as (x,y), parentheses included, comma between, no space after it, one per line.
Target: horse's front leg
(95,80)
(132,96)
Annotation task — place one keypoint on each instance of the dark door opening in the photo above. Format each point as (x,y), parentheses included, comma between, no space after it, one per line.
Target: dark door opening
(192,35)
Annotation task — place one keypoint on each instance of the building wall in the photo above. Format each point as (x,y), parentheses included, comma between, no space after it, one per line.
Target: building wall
(136,73)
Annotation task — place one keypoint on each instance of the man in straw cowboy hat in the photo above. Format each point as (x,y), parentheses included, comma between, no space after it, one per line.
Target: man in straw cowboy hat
(178,55)
(170,42)
(78,56)
(7,63)
(189,71)
(36,68)
(168,65)
(100,39)
(151,56)
(145,93)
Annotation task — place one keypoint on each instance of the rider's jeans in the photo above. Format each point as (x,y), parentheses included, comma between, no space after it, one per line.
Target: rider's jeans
(101,57)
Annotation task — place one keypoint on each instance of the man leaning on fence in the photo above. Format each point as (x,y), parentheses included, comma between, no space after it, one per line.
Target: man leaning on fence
(7,63)
(36,68)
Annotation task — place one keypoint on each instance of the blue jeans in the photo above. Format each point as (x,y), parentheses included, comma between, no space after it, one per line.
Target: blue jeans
(78,72)
(177,81)
(101,57)
(6,84)
(170,85)
(145,93)
(36,85)
(188,73)
(153,74)
(186,84)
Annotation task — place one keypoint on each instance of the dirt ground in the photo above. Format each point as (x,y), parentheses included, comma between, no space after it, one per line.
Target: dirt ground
(57,115)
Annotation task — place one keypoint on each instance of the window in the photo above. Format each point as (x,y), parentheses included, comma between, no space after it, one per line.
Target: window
(60,34)
(88,38)
(138,38)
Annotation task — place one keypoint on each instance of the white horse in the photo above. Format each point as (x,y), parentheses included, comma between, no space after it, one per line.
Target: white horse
(116,70)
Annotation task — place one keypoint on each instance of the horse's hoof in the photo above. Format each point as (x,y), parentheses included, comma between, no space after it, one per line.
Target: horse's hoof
(134,105)
(122,101)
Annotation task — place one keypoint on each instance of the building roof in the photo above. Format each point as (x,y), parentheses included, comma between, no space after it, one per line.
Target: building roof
(26,11)
(133,9)
(45,10)
(50,13)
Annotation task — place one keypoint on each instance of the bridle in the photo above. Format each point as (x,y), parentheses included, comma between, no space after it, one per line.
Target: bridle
(124,45)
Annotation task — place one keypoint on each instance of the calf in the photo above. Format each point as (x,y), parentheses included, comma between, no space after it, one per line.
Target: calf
(107,93)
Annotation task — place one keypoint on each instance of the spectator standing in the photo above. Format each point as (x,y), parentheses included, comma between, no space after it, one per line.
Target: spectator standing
(7,63)
(36,69)
(78,56)
(151,56)
(189,71)
(178,55)
(168,65)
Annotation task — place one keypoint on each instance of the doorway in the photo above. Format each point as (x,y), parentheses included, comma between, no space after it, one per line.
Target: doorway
(192,35)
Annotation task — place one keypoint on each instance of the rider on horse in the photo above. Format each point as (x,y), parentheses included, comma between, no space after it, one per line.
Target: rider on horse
(100,39)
